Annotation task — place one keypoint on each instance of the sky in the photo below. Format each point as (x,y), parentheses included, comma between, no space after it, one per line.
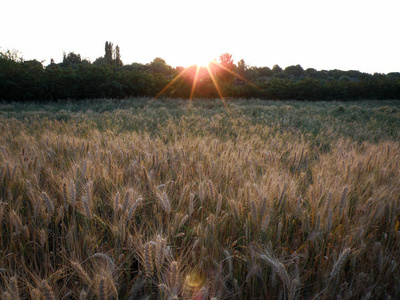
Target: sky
(322,34)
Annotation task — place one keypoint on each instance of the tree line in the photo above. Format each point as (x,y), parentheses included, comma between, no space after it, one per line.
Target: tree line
(108,77)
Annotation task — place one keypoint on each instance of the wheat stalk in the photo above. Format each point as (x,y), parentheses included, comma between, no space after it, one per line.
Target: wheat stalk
(47,290)
(211,191)
(65,194)
(342,202)
(14,288)
(72,193)
(133,208)
(148,260)
(86,206)
(173,274)
(16,221)
(48,202)
(278,267)
(164,201)
(84,275)
(201,193)
(191,203)
(183,221)
(219,203)
(127,200)
(160,248)
(185,189)
(116,205)
(337,267)
(102,289)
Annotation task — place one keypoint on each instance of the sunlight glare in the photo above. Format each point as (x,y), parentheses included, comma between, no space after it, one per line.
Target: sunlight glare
(201,56)
(201,61)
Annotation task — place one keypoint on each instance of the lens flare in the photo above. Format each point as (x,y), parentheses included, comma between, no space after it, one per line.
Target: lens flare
(212,77)
(193,285)
(194,83)
(217,87)
(194,281)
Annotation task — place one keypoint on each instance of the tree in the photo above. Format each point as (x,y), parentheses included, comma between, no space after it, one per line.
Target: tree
(264,72)
(108,53)
(100,61)
(118,62)
(344,78)
(71,59)
(295,71)
(111,57)
(227,67)
(241,67)
(276,69)
(311,72)
(226,60)
(394,75)
(158,65)
(11,55)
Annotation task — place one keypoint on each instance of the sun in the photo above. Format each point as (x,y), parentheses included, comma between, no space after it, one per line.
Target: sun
(200,66)
(201,56)
(202,61)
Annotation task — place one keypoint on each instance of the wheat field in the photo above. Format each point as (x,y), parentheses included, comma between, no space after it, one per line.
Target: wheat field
(165,199)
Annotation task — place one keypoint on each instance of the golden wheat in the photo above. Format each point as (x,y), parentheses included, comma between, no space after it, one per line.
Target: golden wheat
(161,201)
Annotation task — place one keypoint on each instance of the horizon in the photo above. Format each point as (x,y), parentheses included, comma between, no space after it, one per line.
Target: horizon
(46,63)
(325,36)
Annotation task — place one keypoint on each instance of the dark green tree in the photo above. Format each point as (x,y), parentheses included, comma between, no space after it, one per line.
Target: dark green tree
(71,59)
(241,68)
(311,72)
(158,65)
(108,53)
(264,72)
(276,69)
(100,61)
(117,61)
(295,71)
(112,57)
(344,78)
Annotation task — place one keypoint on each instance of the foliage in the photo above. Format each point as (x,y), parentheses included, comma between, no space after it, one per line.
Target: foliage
(295,71)
(241,68)
(71,59)
(75,78)
(276,69)
(264,72)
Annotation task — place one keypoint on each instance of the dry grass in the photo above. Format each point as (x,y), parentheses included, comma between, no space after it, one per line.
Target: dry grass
(167,202)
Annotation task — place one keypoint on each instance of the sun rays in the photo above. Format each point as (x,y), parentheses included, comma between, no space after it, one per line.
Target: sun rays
(210,73)
(172,81)
(194,83)
(217,87)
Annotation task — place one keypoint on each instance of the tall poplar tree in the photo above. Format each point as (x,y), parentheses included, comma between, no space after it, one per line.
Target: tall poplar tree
(109,53)
(118,62)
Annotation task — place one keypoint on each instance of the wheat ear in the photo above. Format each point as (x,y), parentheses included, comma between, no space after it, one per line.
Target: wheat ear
(48,202)
(102,289)
(278,267)
(86,206)
(337,267)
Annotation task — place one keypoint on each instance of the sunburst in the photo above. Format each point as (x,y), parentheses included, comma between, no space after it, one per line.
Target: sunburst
(213,79)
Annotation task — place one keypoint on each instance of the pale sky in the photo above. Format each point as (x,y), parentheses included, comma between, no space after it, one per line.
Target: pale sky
(341,34)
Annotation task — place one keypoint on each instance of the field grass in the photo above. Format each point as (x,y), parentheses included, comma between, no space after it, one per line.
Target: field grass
(159,199)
